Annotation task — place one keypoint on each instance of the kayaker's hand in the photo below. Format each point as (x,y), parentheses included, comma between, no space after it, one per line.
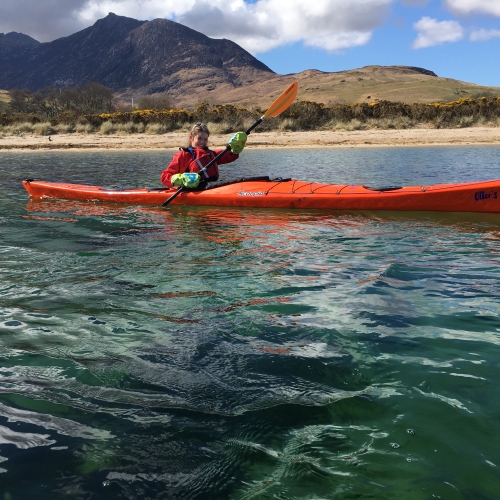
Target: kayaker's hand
(190,180)
(176,180)
(237,142)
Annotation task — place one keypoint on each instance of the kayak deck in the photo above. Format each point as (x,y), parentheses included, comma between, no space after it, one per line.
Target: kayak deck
(263,192)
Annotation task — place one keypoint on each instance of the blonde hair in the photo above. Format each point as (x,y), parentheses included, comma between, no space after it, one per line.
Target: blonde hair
(197,128)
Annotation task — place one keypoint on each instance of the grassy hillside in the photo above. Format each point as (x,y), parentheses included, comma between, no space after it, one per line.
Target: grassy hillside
(371,83)
(390,84)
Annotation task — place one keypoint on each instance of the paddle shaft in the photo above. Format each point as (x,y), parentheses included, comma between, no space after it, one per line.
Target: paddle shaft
(209,164)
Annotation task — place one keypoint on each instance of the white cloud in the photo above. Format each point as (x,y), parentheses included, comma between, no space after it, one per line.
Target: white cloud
(137,9)
(328,24)
(43,20)
(464,7)
(483,35)
(433,32)
(270,23)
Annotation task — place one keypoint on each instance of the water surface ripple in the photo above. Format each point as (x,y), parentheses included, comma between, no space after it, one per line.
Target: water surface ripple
(190,353)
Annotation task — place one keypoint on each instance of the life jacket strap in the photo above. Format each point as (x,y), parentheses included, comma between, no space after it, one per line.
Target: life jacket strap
(197,160)
(201,168)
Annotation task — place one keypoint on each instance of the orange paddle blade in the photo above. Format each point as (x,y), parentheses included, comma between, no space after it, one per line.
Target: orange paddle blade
(283,101)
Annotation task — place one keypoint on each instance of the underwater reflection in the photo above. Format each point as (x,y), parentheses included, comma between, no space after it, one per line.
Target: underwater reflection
(262,215)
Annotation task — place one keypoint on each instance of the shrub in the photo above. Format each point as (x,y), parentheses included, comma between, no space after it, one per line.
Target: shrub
(64,128)
(22,127)
(221,128)
(301,115)
(6,130)
(66,117)
(373,123)
(130,127)
(83,128)
(287,124)
(354,124)
(107,128)
(156,102)
(156,128)
(44,128)
(307,114)
(466,121)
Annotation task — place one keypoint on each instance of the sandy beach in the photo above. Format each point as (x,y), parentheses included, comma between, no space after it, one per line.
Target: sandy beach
(274,139)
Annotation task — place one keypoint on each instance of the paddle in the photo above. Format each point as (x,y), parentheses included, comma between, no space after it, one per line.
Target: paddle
(276,108)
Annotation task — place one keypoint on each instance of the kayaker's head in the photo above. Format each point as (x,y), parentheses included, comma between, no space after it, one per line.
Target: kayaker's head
(198,137)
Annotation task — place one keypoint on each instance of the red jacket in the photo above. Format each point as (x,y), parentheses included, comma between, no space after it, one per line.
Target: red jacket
(184,161)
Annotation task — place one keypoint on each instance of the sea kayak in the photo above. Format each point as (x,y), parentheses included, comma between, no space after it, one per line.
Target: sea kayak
(263,192)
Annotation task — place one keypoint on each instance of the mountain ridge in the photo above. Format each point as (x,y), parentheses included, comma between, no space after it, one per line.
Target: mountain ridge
(136,58)
(123,53)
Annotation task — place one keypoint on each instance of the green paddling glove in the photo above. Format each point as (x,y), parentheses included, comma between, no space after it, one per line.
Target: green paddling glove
(237,142)
(176,180)
(190,180)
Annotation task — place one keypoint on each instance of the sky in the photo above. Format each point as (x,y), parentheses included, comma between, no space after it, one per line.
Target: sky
(457,39)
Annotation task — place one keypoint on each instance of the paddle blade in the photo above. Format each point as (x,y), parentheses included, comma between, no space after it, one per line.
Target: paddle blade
(283,101)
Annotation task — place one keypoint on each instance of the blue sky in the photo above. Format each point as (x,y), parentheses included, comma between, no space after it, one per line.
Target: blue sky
(457,39)
(391,44)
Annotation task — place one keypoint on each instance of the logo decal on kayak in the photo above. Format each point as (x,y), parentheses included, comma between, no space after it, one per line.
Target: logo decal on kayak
(481,195)
(249,193)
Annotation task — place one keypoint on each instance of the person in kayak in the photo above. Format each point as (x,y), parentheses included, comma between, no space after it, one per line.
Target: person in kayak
(185,165)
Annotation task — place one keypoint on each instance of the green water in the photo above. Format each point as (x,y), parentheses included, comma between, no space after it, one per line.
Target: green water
(189,353)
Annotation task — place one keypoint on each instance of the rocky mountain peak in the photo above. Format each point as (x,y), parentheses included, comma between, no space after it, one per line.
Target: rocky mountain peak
(14,39)
(128,55)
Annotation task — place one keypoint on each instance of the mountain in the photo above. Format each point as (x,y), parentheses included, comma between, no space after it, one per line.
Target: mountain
(13,42)
(129,56)
(371,83)
(137,58)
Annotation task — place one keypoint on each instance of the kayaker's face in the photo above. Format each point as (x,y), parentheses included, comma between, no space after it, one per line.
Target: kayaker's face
(199,140)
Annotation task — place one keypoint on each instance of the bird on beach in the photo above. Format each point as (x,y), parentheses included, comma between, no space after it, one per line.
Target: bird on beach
(50,138)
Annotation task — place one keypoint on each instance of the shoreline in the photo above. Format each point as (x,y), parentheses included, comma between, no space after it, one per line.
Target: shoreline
(259,140)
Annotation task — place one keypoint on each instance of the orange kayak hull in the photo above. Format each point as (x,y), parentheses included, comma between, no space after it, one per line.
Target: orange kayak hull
(292,194)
